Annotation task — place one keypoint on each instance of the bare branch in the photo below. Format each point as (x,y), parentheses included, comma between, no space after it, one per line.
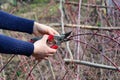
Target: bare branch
(85,26)
(51,68)
(91,5)
(63,30)
(88,5)
(91,64)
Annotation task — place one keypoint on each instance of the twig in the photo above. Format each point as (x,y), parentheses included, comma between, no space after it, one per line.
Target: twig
(62,16)
(63,30)
(32,70)
(2,65)
(102,55)
(91,64)
(51,68)
(7,63)
(102,35)
(88,5)
(94,6)
(85,26)
(78,46)
(116,5)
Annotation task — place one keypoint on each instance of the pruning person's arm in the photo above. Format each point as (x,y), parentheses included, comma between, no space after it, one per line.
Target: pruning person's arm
(11,22)
(14,46)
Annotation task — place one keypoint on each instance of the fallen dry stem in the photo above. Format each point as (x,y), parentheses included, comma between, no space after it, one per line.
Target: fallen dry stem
(90,64)
(87,5)
(85,26)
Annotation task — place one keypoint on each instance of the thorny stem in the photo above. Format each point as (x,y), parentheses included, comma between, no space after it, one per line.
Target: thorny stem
(100,53)
(21,64)
(97,35)
(7,63)
(32,70)
(64,75)
(86,45)
(116,5)
(71,37)
(67,71)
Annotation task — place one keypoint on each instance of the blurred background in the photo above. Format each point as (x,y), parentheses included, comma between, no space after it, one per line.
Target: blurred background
(92,48)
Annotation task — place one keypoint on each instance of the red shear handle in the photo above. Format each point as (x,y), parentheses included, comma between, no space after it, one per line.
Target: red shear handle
(50,38)
(54,46)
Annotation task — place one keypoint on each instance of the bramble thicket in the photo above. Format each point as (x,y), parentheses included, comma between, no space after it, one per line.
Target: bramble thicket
(92,54)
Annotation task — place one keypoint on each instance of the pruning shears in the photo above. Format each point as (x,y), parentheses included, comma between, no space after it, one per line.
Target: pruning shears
(56,40)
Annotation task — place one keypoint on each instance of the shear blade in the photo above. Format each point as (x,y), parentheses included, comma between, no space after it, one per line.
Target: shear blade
(67,34)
